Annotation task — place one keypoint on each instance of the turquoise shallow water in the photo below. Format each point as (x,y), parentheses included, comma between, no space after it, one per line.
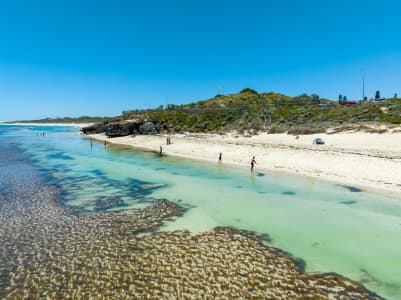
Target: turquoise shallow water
(334,229)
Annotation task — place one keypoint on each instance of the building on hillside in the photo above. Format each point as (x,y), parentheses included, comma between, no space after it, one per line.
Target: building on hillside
(380,99)
(348,102)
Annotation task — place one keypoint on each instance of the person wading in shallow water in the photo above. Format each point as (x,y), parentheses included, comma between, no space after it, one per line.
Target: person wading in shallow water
(161,151)
(253,163)
(220,158)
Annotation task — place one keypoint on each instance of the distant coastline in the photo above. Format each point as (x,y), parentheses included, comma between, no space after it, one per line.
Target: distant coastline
(80,125)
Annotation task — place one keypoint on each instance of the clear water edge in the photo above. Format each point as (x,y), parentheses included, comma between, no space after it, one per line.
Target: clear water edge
(367,189)
(330,227)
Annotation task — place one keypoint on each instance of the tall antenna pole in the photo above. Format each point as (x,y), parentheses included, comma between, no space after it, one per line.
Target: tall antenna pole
(363,87)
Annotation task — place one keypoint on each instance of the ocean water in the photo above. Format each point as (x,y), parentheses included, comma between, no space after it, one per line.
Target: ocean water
(333,228)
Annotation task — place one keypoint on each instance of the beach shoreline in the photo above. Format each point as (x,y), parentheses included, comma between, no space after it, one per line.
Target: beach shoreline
(368,161)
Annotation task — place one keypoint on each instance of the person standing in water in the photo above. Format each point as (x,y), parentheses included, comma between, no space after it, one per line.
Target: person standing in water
(253,163)
(161,151)
(220,158)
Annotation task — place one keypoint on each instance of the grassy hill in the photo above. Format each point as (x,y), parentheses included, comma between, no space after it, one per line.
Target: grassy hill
(249,111)
(252,111)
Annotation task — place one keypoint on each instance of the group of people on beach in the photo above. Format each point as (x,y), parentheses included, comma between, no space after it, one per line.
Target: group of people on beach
(253,161)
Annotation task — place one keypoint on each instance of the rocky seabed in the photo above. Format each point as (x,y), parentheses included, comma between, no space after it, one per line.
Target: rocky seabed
(49,251)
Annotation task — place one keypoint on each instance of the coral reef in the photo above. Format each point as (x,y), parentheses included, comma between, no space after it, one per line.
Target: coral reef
(49,251)
(104,203)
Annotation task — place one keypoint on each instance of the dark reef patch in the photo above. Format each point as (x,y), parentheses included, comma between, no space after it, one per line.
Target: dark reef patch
(288,193)
(105,203)
(265,237)
(98,172)
(349,202)
(59,155)
(351,188)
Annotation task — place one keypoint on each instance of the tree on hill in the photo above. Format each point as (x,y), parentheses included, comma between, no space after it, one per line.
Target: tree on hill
(345,98)
(315,98)
(377,95)
(248,90)
(340,98)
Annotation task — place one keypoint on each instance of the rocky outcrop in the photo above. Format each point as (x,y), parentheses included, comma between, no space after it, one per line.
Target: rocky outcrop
(95,128)
(120,129)
(123,128)
(149,128)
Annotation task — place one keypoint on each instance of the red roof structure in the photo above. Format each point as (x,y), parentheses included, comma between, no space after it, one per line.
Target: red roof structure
(351,102)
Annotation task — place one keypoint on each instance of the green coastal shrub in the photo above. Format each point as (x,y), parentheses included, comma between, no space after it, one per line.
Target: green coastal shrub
(276,129)
(248,90)
(306,130)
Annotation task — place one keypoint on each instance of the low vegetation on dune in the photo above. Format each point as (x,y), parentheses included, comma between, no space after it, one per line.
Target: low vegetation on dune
(249,112)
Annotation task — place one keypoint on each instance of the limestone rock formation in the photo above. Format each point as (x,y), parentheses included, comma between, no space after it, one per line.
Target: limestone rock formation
(149,128)
(124,128)
(96,128)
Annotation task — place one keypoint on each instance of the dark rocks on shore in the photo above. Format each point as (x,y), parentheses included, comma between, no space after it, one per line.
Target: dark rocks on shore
(120,129)
(95,128)
(149,128)
(124,128)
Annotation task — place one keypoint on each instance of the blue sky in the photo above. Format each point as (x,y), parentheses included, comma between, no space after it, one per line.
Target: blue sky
(72,58)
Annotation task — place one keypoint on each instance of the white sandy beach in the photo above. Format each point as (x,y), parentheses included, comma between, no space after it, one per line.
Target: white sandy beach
(366,160)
